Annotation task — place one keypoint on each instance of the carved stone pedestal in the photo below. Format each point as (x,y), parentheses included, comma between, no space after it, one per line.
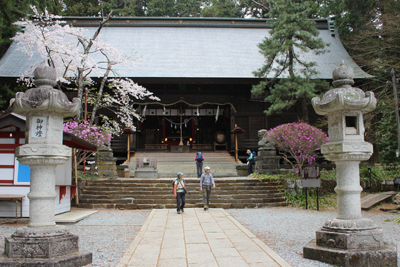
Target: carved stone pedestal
(46,242)
(46,246)
(80,258)
(351,243)
(385,256)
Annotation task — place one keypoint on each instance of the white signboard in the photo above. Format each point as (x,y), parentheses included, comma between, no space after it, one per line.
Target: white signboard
(311,183)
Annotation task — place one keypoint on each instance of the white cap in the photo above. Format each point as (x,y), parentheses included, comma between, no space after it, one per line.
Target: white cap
(207,168)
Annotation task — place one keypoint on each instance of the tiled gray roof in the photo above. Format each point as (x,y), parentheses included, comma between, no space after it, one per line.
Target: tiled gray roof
(192,52)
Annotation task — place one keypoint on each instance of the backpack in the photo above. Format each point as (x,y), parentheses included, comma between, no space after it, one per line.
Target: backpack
(199,157)
(254,155)
(173,184)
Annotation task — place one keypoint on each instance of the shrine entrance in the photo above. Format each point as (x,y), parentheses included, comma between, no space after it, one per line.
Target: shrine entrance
(163,128)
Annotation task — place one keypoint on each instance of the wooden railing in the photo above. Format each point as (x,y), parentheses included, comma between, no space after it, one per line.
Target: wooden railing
(201,146)
(155,146)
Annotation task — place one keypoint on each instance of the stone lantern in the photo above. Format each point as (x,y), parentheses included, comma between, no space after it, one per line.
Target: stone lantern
(43,242)
(350,239)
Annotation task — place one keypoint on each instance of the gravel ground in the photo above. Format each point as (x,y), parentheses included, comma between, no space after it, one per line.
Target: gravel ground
(108,233)
(286,230)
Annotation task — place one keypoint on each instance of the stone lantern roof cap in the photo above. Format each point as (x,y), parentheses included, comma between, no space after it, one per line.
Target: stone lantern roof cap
(44,97)
(44,75)
(344,96)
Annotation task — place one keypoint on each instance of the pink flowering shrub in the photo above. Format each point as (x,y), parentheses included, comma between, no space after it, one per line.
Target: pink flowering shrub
(92,134)
(299,140)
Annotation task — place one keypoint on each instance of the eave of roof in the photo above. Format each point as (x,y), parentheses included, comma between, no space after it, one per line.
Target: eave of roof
(190,48)
(181,22)
(75,142)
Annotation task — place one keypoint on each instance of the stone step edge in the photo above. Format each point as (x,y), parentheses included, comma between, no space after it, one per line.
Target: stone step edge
(163,206)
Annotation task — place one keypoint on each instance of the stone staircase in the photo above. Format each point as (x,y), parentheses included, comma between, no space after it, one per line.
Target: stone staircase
(169,164)
(158,193)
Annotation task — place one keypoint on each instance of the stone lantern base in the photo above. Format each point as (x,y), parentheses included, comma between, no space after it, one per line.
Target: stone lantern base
(43,246)
(80,258)
(385,256)
(362,245)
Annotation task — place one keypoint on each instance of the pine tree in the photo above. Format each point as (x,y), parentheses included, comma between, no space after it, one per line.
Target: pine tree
(292,34)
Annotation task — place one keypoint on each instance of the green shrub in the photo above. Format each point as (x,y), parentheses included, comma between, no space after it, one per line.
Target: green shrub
(88,177)
(326,200)
(325,174)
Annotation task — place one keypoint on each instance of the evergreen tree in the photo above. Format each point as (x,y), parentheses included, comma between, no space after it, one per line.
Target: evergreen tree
(52,6)
(187,8)
(160,8)
(124,8)
(10,11)
(81,8)
(222,9)
(255,9)
(292,33)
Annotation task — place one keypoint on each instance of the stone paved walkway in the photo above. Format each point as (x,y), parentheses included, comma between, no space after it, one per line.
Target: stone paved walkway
(197,238)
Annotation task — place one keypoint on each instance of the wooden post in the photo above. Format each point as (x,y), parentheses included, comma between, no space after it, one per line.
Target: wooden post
(236,147)
(129,148)
(396,110)
(76,175)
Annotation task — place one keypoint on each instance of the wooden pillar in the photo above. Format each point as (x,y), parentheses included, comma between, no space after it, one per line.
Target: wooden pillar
(129,147)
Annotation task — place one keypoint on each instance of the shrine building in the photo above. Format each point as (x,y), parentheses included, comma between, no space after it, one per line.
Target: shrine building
(202,70)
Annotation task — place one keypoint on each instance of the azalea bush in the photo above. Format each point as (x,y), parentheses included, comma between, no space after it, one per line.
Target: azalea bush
(300,141)
(90,133)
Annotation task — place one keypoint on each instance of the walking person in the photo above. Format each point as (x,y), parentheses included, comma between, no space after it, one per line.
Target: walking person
(180,192)
(206,181)
(199,158)
(250,160)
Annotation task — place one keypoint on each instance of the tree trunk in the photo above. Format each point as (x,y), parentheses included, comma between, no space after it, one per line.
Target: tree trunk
(291,72)
(100,94)
(305,108)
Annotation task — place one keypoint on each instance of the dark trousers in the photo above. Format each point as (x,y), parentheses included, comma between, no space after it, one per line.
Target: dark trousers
(250,168)
(206,194)
(179,197)
(199,165)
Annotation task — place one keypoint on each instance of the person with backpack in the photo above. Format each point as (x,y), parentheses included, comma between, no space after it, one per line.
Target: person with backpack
(199,163)
(206,181)
(250,161)
(180,192)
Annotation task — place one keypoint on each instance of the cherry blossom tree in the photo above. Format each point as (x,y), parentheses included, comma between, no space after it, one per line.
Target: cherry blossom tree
(76,57)
(298,140)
